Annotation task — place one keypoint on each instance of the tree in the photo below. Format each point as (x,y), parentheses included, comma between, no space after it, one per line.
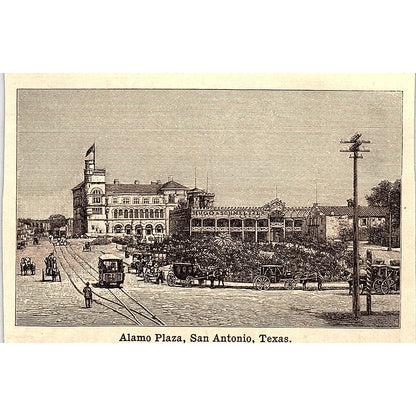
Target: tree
(387,194)
(57,221)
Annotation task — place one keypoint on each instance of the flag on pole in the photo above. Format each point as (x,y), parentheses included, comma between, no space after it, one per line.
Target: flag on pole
(90,150)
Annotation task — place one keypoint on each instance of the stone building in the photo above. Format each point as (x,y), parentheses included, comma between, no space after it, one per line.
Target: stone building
(116,208)
(326,222)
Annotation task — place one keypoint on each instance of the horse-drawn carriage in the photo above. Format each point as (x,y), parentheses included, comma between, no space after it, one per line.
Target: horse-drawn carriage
(274,273)
(27,266)
(386,277)
(110,270)
(87,246)
(51,270)
(186,274)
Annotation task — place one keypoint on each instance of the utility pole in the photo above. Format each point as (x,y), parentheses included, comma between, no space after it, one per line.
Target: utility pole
(390,236)
(355,142)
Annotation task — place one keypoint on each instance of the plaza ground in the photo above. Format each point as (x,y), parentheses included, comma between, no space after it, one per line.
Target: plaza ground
(237,305)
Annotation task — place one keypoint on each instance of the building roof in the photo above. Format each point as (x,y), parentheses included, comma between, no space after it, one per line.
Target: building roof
(109,256)
(297,212)
(363,211)
(172,185)
(78,186)
(131,188)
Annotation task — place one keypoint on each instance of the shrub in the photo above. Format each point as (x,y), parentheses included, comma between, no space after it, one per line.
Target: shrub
(101,241)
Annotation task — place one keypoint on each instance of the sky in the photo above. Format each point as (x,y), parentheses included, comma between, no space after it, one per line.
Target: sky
(252,144)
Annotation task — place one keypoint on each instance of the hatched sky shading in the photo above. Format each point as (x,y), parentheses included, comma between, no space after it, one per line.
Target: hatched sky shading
(248,141)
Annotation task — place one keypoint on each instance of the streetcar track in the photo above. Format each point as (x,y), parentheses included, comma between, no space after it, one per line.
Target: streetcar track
(154,319)
(119,303)
(81,293)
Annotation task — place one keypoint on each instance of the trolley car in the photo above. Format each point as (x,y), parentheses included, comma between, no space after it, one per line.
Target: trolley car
(110,271)
(274,273)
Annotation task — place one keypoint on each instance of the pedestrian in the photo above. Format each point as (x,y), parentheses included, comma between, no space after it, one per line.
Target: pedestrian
(87,295)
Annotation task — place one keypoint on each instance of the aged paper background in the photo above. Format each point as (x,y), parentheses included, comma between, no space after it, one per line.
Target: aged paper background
(405,83)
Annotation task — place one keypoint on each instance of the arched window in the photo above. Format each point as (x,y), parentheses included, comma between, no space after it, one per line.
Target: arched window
(126,213)
(96,196)
(115,212)
(136,213)
(157,213)
(146,213)
(152,214)
(149,229)
(127,229)
(159,228)
(120,213)
(131,213)
(141,213)
(118,229)
(161,213)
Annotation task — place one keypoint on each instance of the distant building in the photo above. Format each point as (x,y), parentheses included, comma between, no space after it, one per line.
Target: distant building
(326,222)
(123,209)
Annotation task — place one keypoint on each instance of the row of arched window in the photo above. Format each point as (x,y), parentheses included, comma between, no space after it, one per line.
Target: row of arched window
(138,213)
(128,229)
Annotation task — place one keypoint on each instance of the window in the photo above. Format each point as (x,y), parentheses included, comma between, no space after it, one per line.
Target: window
(97,210)
(136,213)
(126,200)
(136,201)
(155,200)
(161,213)
(298,223)
(146,200)
(115,212)
(152,214)
(96,199)
(115,200)
(364,222)
(159,228)
(118,229)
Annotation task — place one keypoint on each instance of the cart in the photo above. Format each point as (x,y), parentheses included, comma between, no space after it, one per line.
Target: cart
(274,273)
(186,274)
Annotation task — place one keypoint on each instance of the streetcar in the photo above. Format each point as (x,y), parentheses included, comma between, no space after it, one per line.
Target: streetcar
(110,271)
(274,273)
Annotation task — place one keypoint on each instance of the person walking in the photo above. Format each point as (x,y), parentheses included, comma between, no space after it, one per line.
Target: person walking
(87,295)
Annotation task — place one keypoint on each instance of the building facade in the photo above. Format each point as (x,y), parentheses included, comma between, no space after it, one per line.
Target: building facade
(116,208)
(327,222)
(272,222)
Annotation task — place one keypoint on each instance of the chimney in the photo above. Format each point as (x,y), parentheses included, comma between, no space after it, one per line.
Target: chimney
(136,182)
(116,182)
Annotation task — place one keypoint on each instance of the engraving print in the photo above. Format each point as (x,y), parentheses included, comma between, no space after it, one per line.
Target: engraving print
(208,208)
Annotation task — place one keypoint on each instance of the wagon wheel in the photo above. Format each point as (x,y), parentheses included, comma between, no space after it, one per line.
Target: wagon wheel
(387,286)
(290,284)
(266,283)
(171,279)
(258,283)
(377,286)
(188,281)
